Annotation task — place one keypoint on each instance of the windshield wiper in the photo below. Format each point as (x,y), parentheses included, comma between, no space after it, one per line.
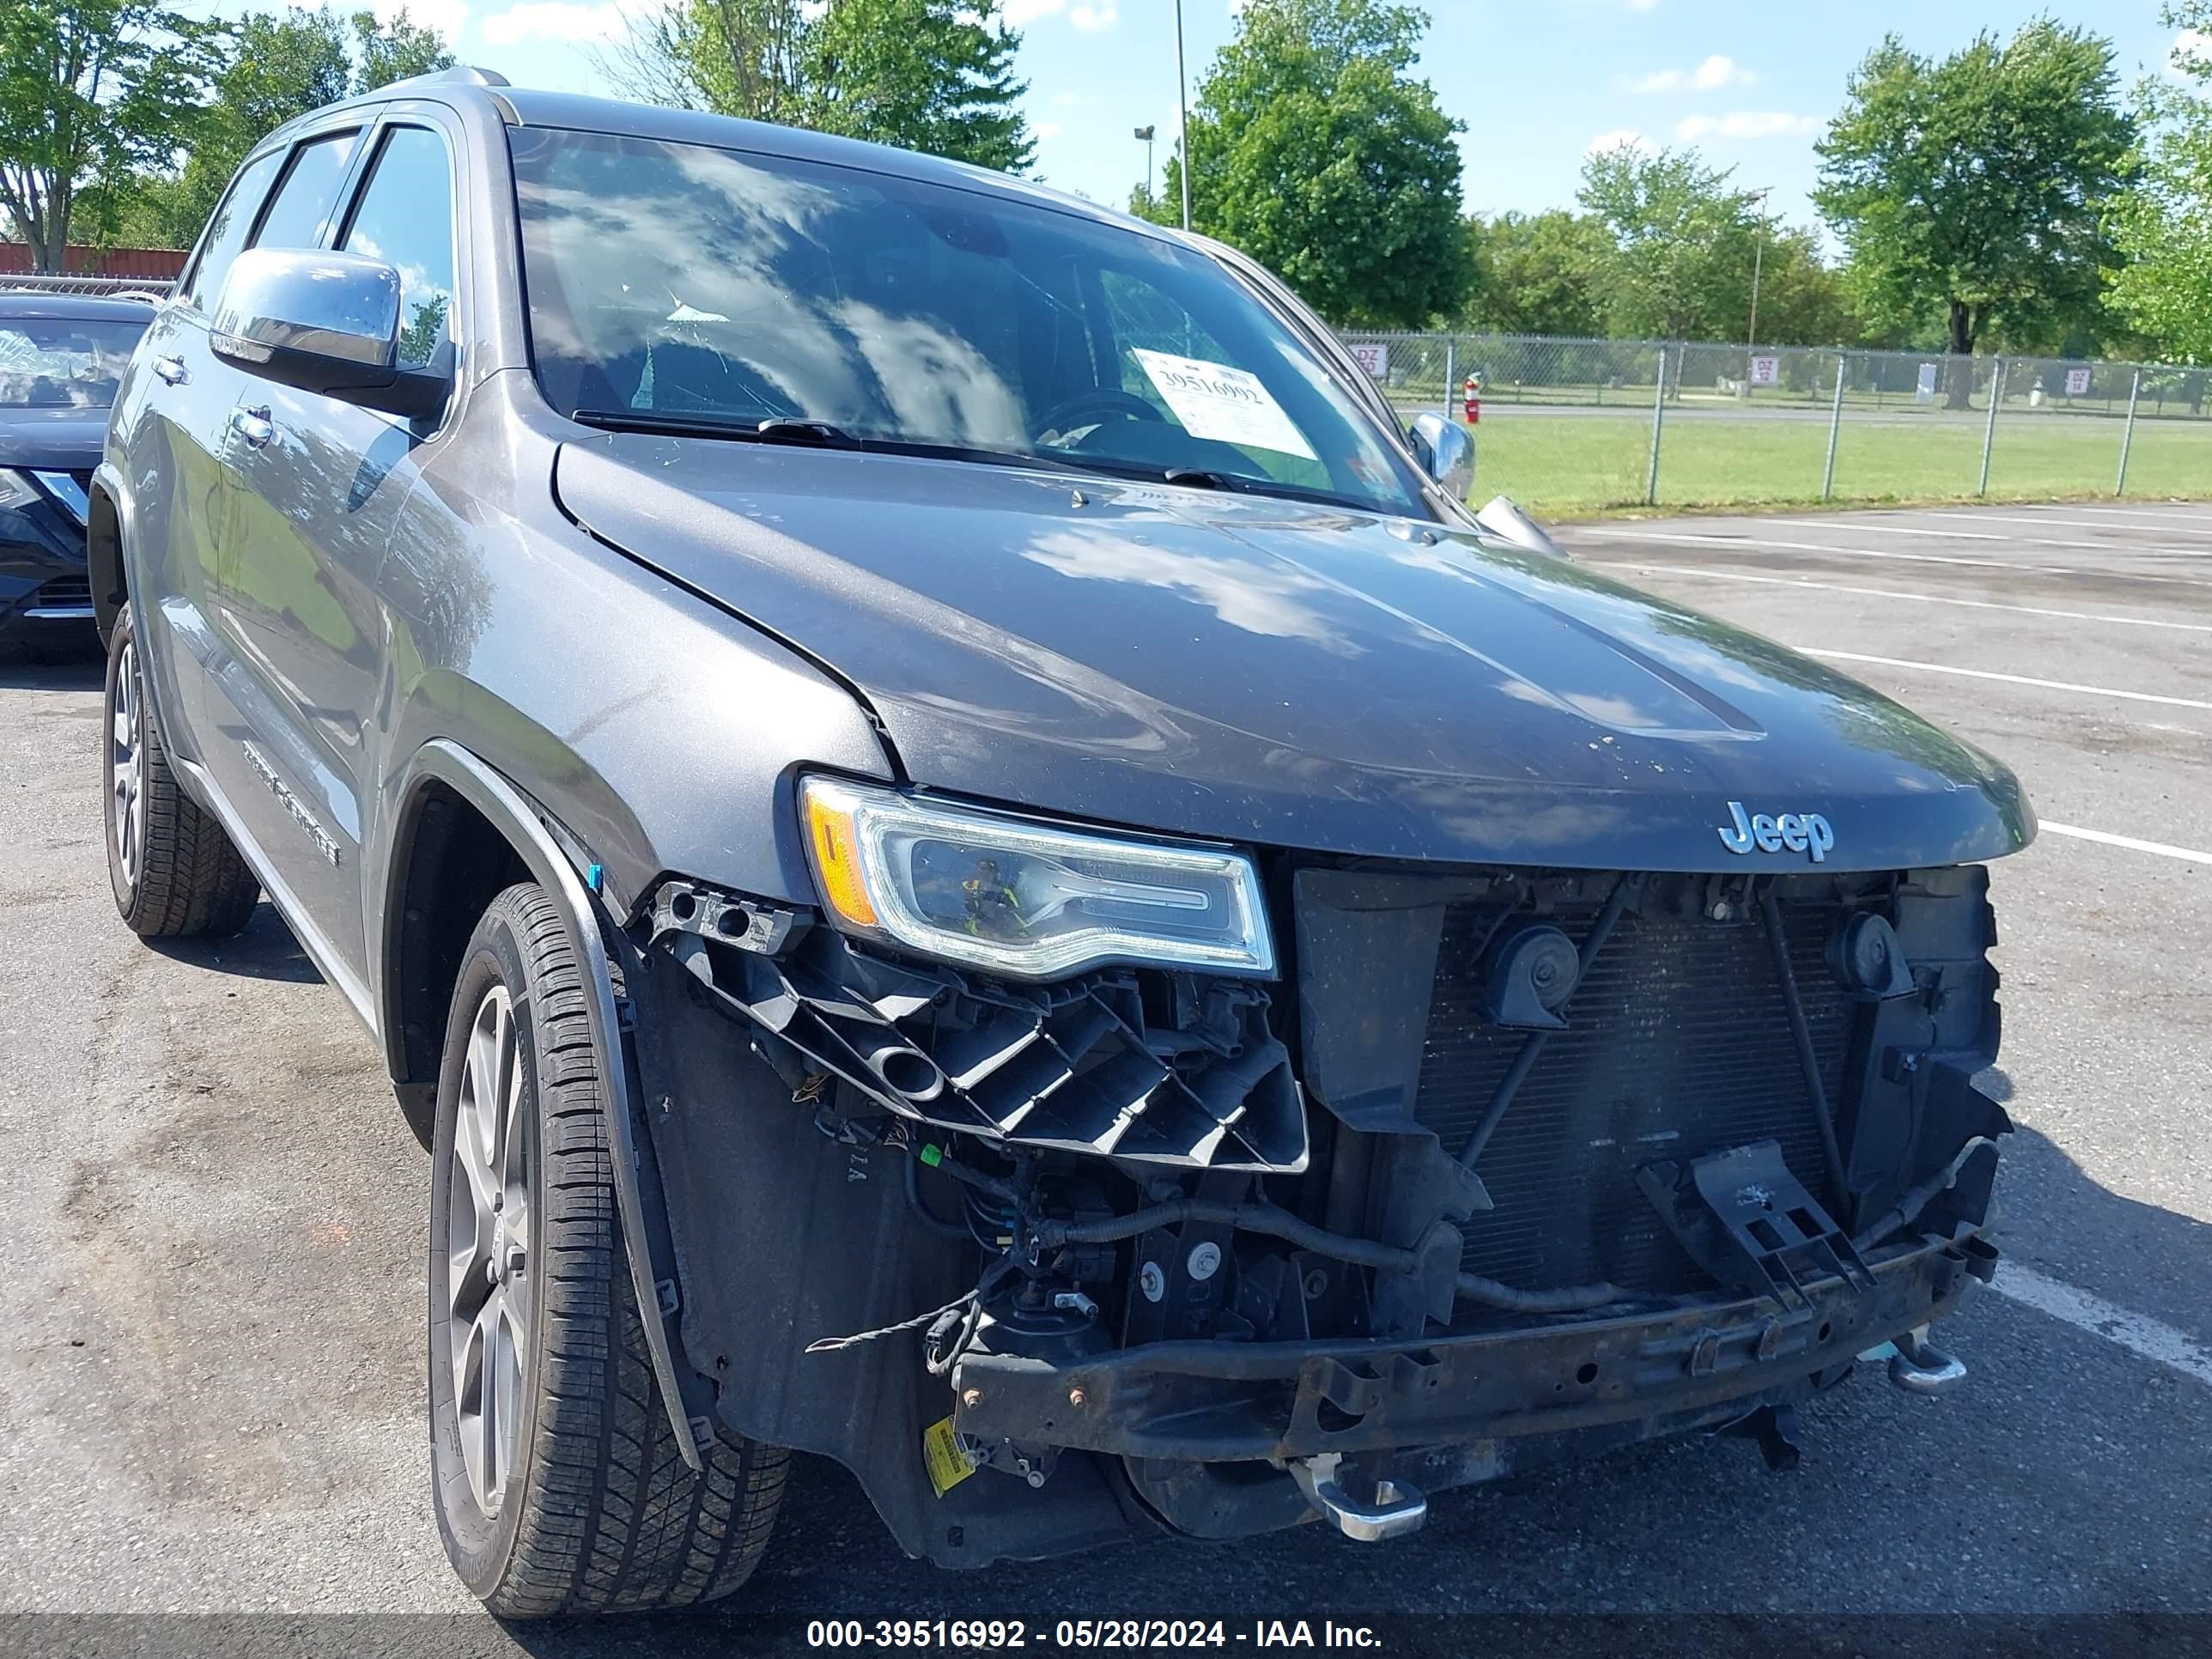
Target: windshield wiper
(1201,478)
(776,429)
(821,434)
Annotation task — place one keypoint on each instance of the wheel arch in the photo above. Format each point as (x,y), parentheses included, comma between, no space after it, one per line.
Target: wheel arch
(105,569)
(453,806)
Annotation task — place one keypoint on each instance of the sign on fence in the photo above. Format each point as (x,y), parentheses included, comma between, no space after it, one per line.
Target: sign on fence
(1765,371)
(1374,356)
(1925,391)
(2077,382)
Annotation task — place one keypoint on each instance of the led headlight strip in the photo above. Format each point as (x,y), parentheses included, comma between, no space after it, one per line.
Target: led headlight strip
(1027,900)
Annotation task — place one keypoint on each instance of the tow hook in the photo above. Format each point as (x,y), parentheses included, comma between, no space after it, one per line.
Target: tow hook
(1918,1366)
(1398,1509)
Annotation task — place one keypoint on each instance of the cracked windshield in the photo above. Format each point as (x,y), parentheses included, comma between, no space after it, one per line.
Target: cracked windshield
(63,362)
(674,286)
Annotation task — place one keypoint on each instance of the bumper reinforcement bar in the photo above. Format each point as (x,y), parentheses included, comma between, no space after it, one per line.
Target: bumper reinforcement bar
(1209,1401)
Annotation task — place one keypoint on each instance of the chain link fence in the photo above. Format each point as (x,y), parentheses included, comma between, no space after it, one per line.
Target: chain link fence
(1570,425)
(154,288)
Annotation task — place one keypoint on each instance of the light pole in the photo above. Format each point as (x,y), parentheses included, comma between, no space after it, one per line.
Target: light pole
(1144,137)
(1758,258)
(1182,85)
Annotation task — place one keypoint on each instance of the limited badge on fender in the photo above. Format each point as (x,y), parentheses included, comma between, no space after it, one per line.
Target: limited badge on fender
(1800,832)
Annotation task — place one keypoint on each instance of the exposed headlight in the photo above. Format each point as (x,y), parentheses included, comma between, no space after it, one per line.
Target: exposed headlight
(1024,899)
(15,489)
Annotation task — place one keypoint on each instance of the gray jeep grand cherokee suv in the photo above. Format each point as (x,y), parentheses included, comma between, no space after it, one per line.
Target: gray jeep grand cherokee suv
(969,865)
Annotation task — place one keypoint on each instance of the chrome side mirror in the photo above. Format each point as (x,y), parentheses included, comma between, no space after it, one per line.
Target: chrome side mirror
(1446,452)
(324,322)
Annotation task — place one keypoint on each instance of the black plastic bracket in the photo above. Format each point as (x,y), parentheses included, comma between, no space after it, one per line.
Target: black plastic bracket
(1746,1221)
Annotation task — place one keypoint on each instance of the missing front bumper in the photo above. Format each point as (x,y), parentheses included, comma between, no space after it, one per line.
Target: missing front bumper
(1209,1402)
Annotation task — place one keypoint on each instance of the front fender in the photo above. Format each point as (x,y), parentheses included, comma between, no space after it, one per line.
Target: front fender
(526,830)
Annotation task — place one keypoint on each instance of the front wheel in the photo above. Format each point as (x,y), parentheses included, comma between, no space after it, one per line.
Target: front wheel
(558,1481)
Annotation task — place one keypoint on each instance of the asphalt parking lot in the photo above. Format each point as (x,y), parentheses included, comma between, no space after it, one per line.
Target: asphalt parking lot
(214,1224)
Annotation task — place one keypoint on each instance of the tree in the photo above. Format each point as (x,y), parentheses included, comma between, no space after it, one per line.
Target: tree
(1972,189)
(2161,229)
(1314,149)
(384,53)
(1683,243)
(1541,273)
(933,76)
(744,57)
(1804,300)
(925,75)
(277,66)
(737,58)
(90,92)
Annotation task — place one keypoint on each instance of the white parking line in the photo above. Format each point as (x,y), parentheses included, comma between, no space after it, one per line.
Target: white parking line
(2156,515)
(2041,519)
(2186,854)
(1763,545)
(1892,593)
(2011,679)
(2015,565)
(2140,1334)
(1895,529)
(2074,544)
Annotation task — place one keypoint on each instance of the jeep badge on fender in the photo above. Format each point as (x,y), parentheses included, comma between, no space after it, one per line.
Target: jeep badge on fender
(1800,832)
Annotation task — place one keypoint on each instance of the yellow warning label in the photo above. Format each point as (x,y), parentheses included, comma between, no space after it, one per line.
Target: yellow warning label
(947,1464)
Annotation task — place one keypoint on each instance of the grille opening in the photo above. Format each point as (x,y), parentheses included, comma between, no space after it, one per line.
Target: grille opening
(1678,1045)
(63,591)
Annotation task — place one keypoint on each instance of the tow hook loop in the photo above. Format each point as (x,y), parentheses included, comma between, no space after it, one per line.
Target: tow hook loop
(1918,1366)
(1397,1508)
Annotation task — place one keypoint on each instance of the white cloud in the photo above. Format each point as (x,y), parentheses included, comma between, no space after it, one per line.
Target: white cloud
(1746,124)
(553,20)
(446,17)
(1619,138)
(1716,72)
(1642,5)
(1089,16)
(1046,129)
(2190,55)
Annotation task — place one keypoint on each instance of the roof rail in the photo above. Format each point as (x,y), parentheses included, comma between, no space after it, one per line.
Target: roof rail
(465,75)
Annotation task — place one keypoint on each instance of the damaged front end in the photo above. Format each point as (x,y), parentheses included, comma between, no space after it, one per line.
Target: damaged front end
(1493,1166)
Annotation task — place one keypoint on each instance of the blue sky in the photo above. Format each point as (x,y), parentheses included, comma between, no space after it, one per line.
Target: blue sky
(1750,83)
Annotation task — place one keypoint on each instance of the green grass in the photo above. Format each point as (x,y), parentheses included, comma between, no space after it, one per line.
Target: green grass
(1569,464)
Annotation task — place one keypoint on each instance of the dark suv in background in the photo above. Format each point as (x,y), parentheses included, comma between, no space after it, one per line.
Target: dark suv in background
(61,358)
(970,864)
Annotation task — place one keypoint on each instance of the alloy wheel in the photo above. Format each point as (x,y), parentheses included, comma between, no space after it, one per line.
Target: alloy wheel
(127,766)
(488,1247)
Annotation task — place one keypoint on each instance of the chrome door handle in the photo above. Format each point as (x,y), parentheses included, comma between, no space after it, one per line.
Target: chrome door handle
(172,370)
(253,425)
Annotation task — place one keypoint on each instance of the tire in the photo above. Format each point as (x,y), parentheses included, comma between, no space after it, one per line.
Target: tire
(569,1494)
(174,870)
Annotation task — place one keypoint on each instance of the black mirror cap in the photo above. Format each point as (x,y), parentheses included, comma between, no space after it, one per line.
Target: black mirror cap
(411,393)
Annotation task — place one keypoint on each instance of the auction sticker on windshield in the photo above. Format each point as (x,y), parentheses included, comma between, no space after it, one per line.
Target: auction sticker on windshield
(1214,400)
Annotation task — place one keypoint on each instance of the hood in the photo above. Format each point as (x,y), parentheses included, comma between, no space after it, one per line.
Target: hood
(52,439)
(1263,670)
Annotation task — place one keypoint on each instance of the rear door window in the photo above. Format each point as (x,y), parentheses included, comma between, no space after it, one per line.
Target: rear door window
(310,190)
